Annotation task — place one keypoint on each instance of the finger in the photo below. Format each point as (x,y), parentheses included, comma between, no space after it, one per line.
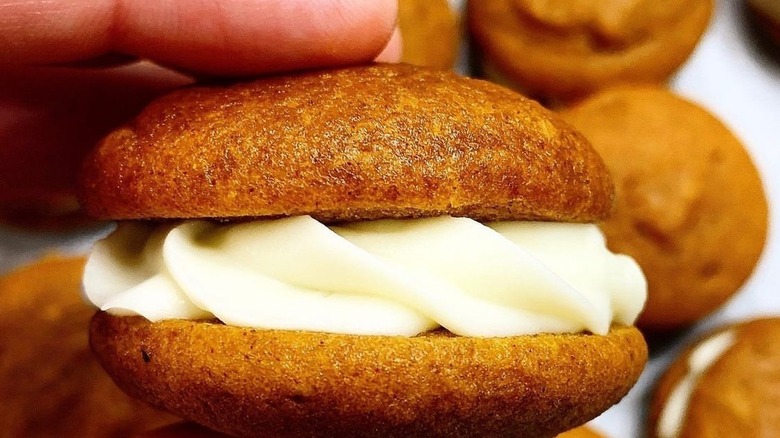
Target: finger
(182,430)
(218,37)
(51,117)
(393,50)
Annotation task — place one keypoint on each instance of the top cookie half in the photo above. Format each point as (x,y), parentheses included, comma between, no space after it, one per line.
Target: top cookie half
(380,141)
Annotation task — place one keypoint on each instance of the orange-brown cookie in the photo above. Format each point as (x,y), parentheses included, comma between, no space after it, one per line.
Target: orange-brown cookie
(361,143)
(565,49)
(189,430)
(40,209)
(580,432)
(342,385)
(382,141)
(726,384)
(690,206)
(767,16)
(51,385)
(429,29)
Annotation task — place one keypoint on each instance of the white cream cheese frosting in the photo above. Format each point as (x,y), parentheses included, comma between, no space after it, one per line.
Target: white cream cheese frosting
(385,277)
(700,360)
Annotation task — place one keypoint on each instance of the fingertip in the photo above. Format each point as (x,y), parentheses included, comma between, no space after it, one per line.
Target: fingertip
(393,50)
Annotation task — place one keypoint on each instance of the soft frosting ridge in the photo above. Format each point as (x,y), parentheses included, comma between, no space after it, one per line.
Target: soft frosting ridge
(384,277)
(700,360)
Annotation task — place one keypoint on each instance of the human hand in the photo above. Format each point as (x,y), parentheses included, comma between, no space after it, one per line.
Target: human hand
(67,74)
(61,88)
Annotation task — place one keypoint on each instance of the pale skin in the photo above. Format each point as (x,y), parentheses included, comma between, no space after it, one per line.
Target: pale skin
(57,94)
(55,54)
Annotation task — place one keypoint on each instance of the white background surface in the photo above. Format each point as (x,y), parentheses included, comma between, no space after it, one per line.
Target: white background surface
(728,75)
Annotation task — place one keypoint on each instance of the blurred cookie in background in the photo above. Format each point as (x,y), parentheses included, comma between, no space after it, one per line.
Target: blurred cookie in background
(561,50)
(50,118)
(430,34)
(725,385)
(767,15)
(580,432)
(690,206)
(189,430)
(50,383)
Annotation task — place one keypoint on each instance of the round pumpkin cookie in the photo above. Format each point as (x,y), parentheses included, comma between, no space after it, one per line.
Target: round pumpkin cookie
(256,382)
(430,33)
(723,385)
(51,383)
(565,49)
(348,253)
(690,206)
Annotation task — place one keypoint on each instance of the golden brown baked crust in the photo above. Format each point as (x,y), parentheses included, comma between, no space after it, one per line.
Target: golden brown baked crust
(303,384)
(358,143)
(566,49)
(430,34)
(689,207)
(580,432)
(739,395)
(51,385)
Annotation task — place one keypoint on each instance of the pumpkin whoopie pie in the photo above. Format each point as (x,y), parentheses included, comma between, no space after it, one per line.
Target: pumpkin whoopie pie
(383,250)
(725,384)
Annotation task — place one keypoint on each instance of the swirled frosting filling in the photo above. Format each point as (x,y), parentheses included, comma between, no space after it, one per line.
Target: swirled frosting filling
(385,277)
